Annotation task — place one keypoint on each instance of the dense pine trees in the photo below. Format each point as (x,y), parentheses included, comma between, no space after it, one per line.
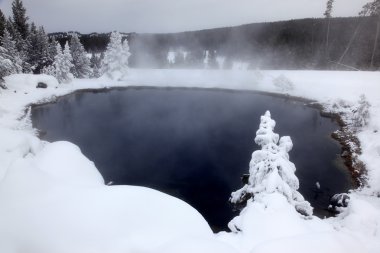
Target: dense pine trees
(38,49)
(11,52)
(20,19)
(26,48)
(10,62)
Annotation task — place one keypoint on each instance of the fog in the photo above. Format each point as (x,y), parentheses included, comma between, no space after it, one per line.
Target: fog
(299,44)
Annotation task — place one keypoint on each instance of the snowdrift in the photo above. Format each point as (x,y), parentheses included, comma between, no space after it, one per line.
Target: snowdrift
(56,201)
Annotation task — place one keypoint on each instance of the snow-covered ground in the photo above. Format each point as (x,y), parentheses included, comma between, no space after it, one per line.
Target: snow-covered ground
(53,199)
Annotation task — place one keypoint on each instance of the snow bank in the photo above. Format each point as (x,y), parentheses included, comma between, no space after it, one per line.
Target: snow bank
(192,245)
(270,224)
(64,161)
(50,203)
(13,145)
(56,201)
(19,81)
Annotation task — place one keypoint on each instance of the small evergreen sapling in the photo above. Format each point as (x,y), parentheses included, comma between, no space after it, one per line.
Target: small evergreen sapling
(361,112)
(270,169)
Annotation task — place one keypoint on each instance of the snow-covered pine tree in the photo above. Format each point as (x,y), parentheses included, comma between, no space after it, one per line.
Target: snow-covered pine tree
(206,59)
(21,46)
(95,63)
(81,62)
(115,62)
(20,19)
(44,48)
(52,51)
(10,53)
(62,64)
(271,171)
(6,66)
(49,69)
(3,23)
(18,27)
(10,63)
(361,113)
(38,51)
(171,58)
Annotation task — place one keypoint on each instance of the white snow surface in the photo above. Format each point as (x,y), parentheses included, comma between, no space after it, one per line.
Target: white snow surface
(53,199)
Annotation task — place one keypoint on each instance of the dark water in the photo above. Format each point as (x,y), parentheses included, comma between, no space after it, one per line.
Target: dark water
(193,144)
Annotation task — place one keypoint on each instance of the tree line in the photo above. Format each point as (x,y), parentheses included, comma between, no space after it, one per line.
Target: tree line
(26,48)
(325,43)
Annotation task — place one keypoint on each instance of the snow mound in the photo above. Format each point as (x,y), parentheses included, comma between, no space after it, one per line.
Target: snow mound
(64,161)
(270,224)
(15,144)
(55,202)
(362,216)
(19,81)
(326,242)
(196,245)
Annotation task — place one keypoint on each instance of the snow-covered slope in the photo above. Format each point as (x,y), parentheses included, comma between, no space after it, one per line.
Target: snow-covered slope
(52,199)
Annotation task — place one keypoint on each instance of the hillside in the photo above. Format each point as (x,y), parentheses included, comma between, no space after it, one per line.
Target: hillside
(293,44)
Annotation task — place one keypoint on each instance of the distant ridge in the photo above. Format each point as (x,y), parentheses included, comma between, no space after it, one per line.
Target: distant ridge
(291,44)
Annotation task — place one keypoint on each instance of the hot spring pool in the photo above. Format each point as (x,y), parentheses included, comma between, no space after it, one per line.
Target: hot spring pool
(194,144)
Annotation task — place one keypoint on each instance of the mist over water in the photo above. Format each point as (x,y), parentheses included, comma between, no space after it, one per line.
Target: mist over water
(294,44)
(193,144)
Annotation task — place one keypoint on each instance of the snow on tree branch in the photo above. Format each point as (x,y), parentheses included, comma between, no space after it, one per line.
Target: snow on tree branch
(62,65)
(361,112)
(81,63)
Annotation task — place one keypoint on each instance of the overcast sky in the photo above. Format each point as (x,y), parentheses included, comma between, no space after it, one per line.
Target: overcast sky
(170,15)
